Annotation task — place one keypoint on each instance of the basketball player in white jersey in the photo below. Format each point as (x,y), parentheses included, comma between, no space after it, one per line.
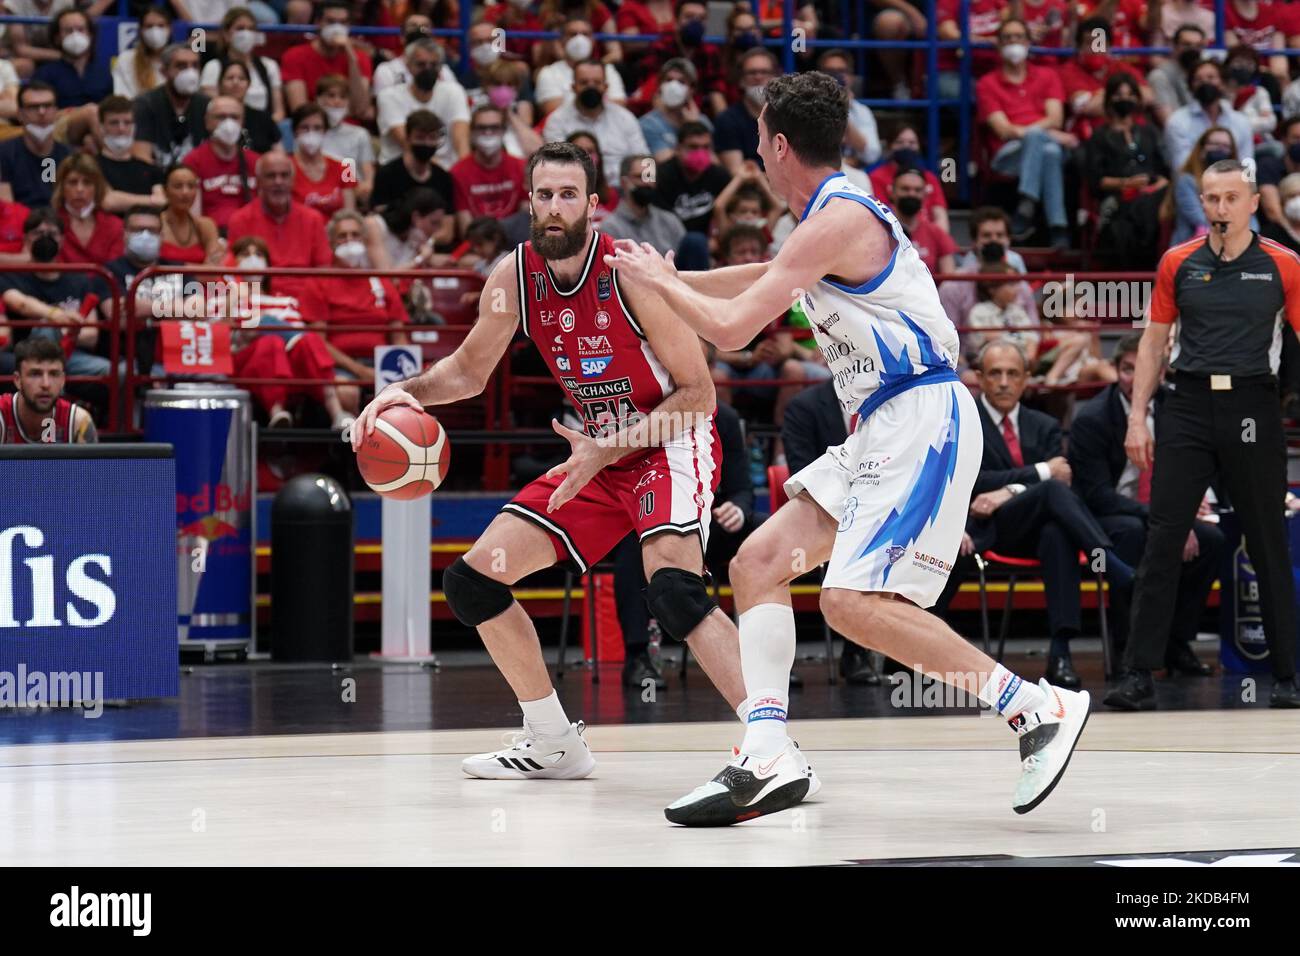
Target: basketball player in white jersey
(887,508)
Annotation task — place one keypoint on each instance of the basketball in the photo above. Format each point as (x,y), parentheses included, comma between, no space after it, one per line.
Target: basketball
(406,456)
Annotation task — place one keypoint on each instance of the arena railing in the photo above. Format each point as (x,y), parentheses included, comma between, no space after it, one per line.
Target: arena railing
(113,327)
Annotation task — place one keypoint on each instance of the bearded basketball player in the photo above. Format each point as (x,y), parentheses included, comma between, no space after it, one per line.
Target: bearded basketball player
(647,460)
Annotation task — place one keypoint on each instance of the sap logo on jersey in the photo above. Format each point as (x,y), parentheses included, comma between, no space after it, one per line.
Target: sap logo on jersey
(563,363)
(594,345)
(566,320)
(593,367)
(88,591)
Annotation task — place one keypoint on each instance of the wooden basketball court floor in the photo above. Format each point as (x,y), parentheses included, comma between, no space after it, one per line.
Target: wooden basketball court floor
(895,789)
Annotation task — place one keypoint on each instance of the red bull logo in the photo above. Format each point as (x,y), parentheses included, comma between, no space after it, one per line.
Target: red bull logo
(210,527)
(207,502)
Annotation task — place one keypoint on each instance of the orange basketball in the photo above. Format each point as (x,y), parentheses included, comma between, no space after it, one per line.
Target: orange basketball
(406,456)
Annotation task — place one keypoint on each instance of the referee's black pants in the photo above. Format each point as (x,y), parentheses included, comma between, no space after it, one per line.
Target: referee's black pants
(1237,434)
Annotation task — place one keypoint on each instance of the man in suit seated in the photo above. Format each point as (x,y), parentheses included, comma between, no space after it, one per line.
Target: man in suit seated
(1024,505)
(814,421)
(1117,493)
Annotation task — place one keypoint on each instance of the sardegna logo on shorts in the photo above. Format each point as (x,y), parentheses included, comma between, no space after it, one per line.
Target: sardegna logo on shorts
(566,320)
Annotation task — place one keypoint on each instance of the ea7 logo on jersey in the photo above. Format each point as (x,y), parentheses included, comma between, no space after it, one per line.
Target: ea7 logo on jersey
(566,320)
(563,363)
(594,345)
(594,367)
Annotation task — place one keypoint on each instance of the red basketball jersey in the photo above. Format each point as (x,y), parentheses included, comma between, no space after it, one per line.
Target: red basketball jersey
(11,432)
(590,340)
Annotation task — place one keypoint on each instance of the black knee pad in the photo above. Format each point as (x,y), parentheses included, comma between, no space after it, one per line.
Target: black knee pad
(679,600)
(472,596)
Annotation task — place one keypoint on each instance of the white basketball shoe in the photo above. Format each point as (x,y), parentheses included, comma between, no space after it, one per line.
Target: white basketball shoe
(747,787)
(1047,740)
(530,757)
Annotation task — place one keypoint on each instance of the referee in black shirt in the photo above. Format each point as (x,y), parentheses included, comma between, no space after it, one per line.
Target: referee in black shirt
(1234,295)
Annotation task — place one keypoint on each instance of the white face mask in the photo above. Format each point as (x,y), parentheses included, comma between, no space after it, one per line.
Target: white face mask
(484,54)
(334,33)
(155,38)
(336,114)
(1015,53)
(228,131)
(243,41)
(756,223)
(187,82)
(489,143)
(75,44)
(352,252)
(757,94)
(1292,208)
(310,141)
(578,47)
(119,144)
(144,245)
(674,93)
(39,133)
(249,263)
(85,213)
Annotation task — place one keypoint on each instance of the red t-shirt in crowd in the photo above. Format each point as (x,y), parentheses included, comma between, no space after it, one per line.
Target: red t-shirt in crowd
(524,23)
(219,181)
(1023,103)
(930,241)
(360,300)
(1077,82)
(882,178)
(305,63)
(12,217)
(1047,26)
(985,18)
(1128,25)
(1256,32)
(107,242)
(635,14)
(297,240)
(326,194)
(488,191)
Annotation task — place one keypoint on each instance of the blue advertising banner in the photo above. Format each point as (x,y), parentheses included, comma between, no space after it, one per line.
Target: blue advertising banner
(87,568)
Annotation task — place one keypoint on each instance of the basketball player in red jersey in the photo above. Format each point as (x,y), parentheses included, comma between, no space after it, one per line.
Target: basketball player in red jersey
(36,413)
(647,460)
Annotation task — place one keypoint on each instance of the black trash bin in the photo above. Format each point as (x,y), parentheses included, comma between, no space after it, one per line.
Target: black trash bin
(311,571)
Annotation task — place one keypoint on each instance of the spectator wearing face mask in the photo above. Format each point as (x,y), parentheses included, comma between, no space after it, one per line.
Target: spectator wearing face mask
(1021,107)
(1271,170)
(742,35)
(239,37)
(1245,89)
(224,166)
(690,183)
(347,143)
(861,135)
(933,245)
(1084,78)
(77,78)
(142,249)
(131,181)
(399,72)
(25,160)
(426,91)
(747,200)
(415,167)
(991,232)
(261,132)
(1169,79)
(735,134)
(1211,108)
(486,47)
(555,83)
(686,42)
(139,68)
(319,182)
(90,234)
(488,182)
(590,111)
(905,153)
(331,52)
(1260,25)
(639,219)
(1182,204)
(554,13)
(503,87)
(1286,231)
(171,119)
(674,105)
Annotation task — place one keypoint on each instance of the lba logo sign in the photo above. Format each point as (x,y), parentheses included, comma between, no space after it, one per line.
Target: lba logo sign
(89,601)
(397,363)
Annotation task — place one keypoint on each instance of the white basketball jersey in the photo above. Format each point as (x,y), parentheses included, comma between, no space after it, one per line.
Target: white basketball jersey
(878,336)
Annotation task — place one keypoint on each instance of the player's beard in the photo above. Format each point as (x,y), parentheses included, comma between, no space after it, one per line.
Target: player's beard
(39,407)
(564,246)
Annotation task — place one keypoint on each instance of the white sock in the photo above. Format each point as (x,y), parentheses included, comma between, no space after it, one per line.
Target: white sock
(1006,693)
(546,717)
(766,655)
